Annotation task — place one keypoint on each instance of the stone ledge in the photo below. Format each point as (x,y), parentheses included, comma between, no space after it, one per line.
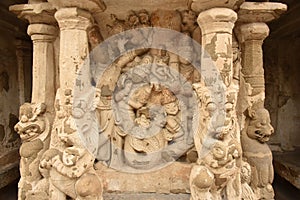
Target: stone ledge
(286,164)
(8,174)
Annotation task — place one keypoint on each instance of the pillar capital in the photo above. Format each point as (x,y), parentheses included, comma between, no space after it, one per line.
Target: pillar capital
(217,20)
(200,5)
(40,13)
(73,18)
(42,32)
(89,5)
(260,11)
(252,31)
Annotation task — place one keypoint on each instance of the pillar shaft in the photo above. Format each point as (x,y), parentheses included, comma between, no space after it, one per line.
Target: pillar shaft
(43,87)
(216,25)
(251,37)
(23,51)
(73,23)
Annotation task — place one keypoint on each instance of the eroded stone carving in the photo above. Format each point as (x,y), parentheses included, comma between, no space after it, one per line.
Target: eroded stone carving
(68,163)
(217,172)
(136,119)
(257,153)
(137,83)
(34,129)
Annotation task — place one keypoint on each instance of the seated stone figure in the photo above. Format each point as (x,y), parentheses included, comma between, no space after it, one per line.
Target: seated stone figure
(256,133)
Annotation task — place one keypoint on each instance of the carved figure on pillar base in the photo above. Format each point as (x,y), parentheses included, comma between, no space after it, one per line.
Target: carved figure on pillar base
(68,164)
(257,153)
(34,129)
(216,174)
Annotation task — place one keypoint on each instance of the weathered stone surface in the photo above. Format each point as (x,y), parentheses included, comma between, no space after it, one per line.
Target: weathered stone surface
(93,6)
(282,72)
(9,170)
(138,108)
(173,178)
(260,11)
(200,5)
(149,196)
(35,13)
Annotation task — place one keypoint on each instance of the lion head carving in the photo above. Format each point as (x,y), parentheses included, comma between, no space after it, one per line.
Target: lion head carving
(260,127)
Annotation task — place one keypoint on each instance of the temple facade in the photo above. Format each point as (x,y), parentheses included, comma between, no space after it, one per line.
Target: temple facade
(135,97)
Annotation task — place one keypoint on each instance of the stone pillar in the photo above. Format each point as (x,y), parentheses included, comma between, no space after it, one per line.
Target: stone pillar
(75,125)
(23,52)
(252,36)
(36,118)
(43,32)
(218,96)
(251,31)
(43,87)
(73,24)
(216,25)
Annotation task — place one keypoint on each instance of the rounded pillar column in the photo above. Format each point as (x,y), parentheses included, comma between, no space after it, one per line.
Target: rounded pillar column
(216,25)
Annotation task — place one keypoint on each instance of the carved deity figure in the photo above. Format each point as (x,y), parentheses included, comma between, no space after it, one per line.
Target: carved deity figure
(33,129)
(257,153)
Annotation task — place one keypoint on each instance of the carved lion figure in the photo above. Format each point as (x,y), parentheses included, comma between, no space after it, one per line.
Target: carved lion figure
(33,129)
(256,133)
(217,172)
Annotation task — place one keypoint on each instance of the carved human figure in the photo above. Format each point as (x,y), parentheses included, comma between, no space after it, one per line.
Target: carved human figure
(33,129)
(132,20)
(247,191)
(189,23)
(144,18)
(256,133)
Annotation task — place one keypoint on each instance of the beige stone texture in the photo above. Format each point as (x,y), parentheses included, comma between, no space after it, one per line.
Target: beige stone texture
(84,135)
(173,178)
(260,11)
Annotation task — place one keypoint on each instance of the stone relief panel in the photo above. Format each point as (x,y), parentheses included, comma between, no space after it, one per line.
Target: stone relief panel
(144,96)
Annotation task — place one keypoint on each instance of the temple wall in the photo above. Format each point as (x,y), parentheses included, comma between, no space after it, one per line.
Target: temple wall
(15,89)
(281,73)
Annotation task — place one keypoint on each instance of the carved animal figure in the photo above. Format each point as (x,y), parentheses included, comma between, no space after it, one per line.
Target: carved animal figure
(217,172)
(256,133)
(33,129)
